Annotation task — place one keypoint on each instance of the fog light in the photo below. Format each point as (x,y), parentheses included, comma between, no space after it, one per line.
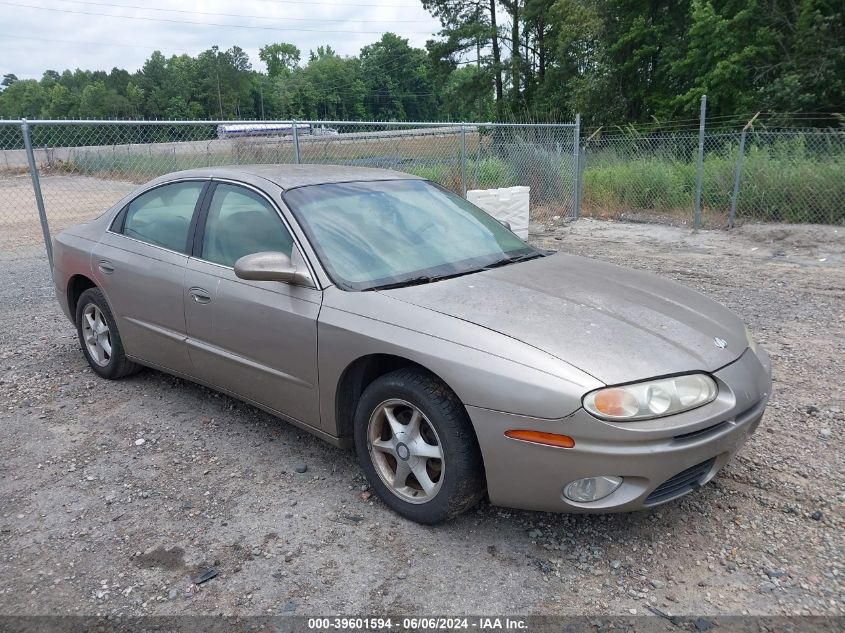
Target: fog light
(591,488)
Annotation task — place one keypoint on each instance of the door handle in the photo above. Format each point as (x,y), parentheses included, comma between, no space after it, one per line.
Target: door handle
(106,267)
(200,295)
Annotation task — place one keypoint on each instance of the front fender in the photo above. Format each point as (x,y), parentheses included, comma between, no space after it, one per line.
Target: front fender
(484,368)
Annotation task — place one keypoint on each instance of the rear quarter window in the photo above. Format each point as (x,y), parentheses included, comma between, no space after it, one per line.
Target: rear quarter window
(162,216)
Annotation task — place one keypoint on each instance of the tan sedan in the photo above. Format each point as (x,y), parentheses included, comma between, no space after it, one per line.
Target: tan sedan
(379,310)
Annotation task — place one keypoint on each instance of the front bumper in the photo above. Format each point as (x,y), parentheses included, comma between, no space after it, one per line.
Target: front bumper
(659,460)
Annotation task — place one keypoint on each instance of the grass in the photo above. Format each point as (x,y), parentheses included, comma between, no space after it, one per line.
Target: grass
(780,182)
(647,184)
(487,173)
(796,189)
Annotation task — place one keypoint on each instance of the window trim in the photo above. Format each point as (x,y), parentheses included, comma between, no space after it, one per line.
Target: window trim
(121,215)
(116,225)
(202,218)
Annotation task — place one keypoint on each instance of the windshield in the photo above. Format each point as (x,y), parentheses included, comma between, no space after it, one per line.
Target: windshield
(396,232)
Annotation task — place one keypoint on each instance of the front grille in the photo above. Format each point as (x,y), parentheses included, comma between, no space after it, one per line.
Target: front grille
(682,483)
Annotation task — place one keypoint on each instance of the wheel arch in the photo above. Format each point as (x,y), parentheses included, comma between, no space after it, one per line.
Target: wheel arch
(358,375)
(76,285)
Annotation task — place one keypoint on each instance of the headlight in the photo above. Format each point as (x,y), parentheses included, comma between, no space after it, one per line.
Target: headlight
(652,399)
(750,340)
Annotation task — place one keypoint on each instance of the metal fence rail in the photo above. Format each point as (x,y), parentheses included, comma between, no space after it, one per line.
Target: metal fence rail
(60,173)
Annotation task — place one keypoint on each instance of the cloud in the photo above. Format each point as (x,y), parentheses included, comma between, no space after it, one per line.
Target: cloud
(71,36)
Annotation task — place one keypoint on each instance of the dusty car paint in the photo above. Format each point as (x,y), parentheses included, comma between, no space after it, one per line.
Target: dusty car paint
(519,345)
(657,326)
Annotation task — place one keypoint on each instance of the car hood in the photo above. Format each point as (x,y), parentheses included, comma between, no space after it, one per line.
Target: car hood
(616,324)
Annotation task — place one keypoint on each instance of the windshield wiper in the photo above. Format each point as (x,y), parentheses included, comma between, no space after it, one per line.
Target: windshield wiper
(422,279)
(426,279)
(413,281)
(513,260)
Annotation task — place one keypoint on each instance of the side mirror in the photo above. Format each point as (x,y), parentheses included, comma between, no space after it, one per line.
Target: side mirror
(506,224)
(272,266)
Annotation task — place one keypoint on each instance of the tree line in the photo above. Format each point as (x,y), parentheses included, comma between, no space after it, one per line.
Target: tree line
(611,60)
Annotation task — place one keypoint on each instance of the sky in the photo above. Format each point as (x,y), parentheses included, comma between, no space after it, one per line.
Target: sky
(69,34)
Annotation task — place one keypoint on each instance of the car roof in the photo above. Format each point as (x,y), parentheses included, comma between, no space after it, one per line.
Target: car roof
(290,176)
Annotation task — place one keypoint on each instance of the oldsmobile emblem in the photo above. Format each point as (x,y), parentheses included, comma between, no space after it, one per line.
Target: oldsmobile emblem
(720,342)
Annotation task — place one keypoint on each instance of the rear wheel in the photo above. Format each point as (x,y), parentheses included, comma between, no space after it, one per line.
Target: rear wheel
(99,337)
(417,448)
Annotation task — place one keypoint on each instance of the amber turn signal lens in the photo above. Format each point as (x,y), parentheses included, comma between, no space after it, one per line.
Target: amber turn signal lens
(616,403)
(538,437)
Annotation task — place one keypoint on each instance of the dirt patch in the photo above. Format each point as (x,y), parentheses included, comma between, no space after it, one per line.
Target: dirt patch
(169,559)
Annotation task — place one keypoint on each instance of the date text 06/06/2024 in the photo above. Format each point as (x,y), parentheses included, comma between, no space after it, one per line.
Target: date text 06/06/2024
(417,623)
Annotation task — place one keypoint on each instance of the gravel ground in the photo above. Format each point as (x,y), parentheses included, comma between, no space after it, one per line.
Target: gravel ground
(115,495)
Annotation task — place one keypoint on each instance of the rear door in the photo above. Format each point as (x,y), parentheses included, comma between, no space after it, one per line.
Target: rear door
(140,266)
(256,339)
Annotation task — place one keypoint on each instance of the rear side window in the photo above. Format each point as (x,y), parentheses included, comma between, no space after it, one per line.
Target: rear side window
(162,216)
(240,222)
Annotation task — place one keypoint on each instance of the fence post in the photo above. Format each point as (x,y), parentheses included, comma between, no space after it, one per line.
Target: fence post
(740,155)
(36,187)
(582,166)
(463,161)
(576,154)
(295,143)
(699,169)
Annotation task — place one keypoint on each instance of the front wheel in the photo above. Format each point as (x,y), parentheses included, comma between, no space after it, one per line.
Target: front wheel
(417,448)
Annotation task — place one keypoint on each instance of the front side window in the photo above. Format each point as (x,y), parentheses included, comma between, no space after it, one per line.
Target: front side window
(241,222)
(162,216)
(386,233)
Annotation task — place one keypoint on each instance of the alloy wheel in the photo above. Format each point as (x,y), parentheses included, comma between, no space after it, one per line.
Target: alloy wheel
(96,334)
(406,451)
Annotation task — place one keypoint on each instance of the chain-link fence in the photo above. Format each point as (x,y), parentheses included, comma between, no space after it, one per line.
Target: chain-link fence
(80,168)
(795,175)
(632,173)
(85,167)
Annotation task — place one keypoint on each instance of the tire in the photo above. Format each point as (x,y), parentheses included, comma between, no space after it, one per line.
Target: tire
(409,399)
(103,349)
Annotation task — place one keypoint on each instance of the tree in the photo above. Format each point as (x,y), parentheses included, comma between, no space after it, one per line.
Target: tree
(223,82)
(726,46)
(22,98)
(397,79)
(806,70)
(329,87)
(467,95)
(281,58)
(61,103)
(538,22)
(513,7)
(615,61)
(98,102)
(135,98)
(49,78)
(469,24)
(8,80)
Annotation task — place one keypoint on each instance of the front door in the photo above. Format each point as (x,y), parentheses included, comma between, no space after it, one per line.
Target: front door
(256,339)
